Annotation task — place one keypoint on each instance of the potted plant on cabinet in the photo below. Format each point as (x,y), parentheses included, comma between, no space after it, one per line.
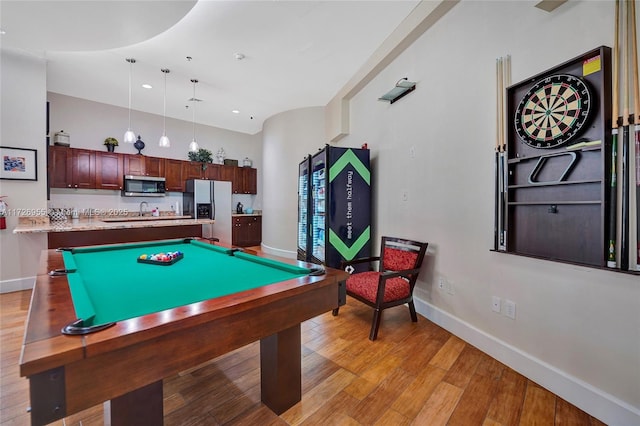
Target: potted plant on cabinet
(111,143)
(202,155)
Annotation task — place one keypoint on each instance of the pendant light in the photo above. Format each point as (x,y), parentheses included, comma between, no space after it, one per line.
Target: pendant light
(164,140)
(193,146)
(130,136)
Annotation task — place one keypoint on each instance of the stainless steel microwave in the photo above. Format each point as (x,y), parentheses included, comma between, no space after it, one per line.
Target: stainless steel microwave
(143,186)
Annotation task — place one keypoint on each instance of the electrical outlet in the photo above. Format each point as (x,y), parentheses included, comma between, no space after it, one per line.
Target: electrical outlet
(412,151)
(495,304)
(441,283)
(510,309)
(405,195)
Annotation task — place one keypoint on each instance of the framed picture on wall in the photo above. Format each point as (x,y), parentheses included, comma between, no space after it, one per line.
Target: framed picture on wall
(18,163)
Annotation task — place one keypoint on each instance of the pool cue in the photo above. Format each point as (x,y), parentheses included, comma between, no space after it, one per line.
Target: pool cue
(496,228)
(506,79)
(624,233)
(613,195)
(501,157)
(636,110)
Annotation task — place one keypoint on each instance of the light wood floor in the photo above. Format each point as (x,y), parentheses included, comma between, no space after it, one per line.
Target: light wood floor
(413,374)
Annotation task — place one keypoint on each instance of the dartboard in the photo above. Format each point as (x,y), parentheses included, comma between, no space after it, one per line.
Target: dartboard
(553,111)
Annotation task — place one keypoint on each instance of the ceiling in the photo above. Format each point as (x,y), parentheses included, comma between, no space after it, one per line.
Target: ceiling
(295,53)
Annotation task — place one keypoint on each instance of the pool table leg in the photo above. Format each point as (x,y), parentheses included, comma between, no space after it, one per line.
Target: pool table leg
(280,369)
(141,407)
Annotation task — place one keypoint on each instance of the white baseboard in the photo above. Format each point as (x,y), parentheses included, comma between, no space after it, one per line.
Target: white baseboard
(596,402)
(18,284)
(278,252)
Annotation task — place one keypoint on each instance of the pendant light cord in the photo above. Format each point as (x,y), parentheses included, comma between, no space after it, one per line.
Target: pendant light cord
(194,108)
(164,103)
(129,135)
(131,62)
(130,69)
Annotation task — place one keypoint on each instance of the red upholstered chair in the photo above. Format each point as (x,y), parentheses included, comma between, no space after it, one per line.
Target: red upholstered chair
(392,285)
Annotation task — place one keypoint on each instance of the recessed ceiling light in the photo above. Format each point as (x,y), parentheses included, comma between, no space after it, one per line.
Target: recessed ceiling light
(239,56)
(235,111)
(147,86)
(2,32)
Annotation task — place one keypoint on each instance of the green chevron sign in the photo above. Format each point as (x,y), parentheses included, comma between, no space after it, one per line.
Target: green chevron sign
(349,157)
(349,252)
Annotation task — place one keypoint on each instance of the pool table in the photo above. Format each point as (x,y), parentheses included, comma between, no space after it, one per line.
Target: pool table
(106,326)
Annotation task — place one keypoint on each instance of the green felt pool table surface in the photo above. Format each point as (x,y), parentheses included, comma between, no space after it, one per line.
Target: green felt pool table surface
(109,284)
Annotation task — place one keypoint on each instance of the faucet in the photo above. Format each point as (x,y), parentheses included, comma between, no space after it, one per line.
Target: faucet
(141,205)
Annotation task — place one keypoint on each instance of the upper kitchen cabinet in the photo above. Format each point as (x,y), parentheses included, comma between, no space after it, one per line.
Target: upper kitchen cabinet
(89,169)
(245,181)
(154,166)
(72,168)
(141,165)
(192,170)
(134,165)
(173,175)
(109,170)
(59,163)
(213,172)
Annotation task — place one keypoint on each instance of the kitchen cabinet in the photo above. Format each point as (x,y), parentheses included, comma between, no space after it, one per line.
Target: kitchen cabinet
(134,165)
(173,175)
(245,181)
(59,162)
(141,165)
(227,173)
(154,166)
(213,172)
(84,168)
(192,170)
(72,168)
(247,231)
(109,170)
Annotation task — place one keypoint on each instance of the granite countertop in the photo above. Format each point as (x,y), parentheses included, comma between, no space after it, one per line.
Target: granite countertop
(97,224)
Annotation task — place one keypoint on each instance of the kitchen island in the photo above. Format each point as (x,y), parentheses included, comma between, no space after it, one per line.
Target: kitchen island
(112,230)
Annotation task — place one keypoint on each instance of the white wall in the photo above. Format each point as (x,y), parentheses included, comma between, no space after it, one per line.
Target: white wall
(22,118)
(577,330)
(288,138)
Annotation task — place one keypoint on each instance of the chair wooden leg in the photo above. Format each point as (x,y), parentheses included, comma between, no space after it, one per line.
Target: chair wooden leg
(335,312)
(412,311)
(377,315)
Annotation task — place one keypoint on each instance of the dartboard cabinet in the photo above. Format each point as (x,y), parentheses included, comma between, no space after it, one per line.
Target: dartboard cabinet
(558,161)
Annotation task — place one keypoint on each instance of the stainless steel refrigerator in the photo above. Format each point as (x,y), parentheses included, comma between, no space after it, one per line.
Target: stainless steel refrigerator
(210,199)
